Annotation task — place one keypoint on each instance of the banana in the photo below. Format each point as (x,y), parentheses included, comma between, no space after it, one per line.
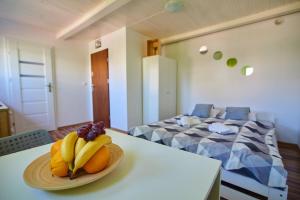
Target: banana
(89,150)
(79,145)
(68,148)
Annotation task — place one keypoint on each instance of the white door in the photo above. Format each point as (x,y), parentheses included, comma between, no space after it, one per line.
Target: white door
(31,86)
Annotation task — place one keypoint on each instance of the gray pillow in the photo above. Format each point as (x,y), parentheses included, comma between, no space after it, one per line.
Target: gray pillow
(237,113)
(202,110)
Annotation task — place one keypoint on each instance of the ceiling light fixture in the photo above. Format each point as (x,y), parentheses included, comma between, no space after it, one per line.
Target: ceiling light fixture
(174,5)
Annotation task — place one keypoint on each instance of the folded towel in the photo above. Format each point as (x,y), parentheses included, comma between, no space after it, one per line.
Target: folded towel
(187,122)
(222,129)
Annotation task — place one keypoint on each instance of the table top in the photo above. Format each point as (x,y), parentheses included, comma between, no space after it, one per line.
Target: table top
(148,171)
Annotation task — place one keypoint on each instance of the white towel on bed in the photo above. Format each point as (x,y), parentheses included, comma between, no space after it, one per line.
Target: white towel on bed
(222,128)
(187,122)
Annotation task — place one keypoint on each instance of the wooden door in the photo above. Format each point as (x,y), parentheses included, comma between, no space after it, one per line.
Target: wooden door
(32,99)
(99,62)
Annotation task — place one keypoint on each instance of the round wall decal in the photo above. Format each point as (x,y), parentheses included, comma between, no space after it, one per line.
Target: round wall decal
(218,55)
(231,62)
(247,70)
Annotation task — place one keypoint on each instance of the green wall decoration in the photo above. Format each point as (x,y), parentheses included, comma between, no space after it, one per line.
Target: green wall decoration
(218,55)
(247,70)
(231,62)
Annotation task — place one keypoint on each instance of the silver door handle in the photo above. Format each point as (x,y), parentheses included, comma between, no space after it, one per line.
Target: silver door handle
(49,87)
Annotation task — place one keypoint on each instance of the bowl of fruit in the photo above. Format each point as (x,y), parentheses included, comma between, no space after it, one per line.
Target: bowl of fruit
(81,157)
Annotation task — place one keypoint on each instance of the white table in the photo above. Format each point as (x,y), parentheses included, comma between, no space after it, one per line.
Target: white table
(148,171)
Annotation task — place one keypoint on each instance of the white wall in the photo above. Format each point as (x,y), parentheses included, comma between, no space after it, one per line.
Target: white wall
(273,51)
(125,51)
(116,45)
(136,49)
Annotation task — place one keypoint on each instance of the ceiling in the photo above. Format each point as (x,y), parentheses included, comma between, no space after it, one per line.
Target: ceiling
(145,16)
(51,15)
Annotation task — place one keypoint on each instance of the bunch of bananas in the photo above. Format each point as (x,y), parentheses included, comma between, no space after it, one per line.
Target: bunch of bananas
(76,151)
(82,149)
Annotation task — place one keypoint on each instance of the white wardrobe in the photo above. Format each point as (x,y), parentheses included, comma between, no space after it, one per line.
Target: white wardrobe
(159,88)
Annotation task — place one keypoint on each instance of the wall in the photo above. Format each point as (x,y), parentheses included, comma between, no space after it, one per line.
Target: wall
(136,49)
(116,45)
(125,51)
(71,71)
(274,87)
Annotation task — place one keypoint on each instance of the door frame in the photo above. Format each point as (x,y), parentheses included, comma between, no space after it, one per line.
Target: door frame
(14,91)
(92,86)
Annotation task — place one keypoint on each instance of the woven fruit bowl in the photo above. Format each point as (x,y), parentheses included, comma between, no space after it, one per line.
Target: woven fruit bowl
(81,157)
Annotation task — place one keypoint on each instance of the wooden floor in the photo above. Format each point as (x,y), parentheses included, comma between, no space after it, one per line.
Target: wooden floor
(291,159)
(290,156)
(62,131)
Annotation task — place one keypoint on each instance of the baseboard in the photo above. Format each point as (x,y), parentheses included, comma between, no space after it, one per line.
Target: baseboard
(72,125)
(119,130)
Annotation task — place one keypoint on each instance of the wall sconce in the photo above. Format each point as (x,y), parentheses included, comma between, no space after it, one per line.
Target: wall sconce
(203,49)
(247,70)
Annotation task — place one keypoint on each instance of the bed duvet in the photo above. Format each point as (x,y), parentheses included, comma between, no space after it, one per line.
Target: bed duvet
(252,150)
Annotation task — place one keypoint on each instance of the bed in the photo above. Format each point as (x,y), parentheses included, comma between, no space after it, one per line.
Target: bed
(251,163)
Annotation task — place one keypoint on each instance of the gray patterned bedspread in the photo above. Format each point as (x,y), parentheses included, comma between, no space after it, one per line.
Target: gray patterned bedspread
(252,151)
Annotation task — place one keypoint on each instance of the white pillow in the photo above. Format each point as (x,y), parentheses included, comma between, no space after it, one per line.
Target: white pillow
(214,112)
(223,115)
(252,116)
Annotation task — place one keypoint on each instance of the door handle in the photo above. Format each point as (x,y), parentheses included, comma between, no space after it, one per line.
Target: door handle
(49,87)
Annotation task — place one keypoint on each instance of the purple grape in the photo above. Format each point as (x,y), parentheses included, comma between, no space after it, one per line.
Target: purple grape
(98,131)
(89,125)
(99,124)
(95,129)
(90,136)
(82,132)
(98,128)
